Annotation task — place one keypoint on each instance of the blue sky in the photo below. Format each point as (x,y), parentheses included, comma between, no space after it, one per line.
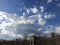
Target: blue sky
(35,17)
(15,6)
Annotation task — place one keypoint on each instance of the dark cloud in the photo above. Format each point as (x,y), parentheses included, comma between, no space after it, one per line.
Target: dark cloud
(27,28)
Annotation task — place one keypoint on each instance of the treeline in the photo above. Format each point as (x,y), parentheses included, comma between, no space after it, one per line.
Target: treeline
(53,40)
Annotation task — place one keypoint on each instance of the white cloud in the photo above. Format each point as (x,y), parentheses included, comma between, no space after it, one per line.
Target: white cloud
(28,11)
(26,20)
(34,10)
(57,28)
(49,16)
(14,26)
(24,13)
(41,21)
(39,29)
(52,28)
(42,8)
(47,32)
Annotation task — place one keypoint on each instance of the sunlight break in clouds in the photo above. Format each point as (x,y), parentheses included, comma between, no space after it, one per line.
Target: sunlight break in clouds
(13,26)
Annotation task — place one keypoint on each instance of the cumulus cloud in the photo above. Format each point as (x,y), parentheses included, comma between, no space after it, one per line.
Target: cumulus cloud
(41,21)
(13,26)
(34,10)
(57,28)
(42,8)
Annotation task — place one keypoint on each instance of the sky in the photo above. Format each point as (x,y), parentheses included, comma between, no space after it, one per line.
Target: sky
(19,17)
